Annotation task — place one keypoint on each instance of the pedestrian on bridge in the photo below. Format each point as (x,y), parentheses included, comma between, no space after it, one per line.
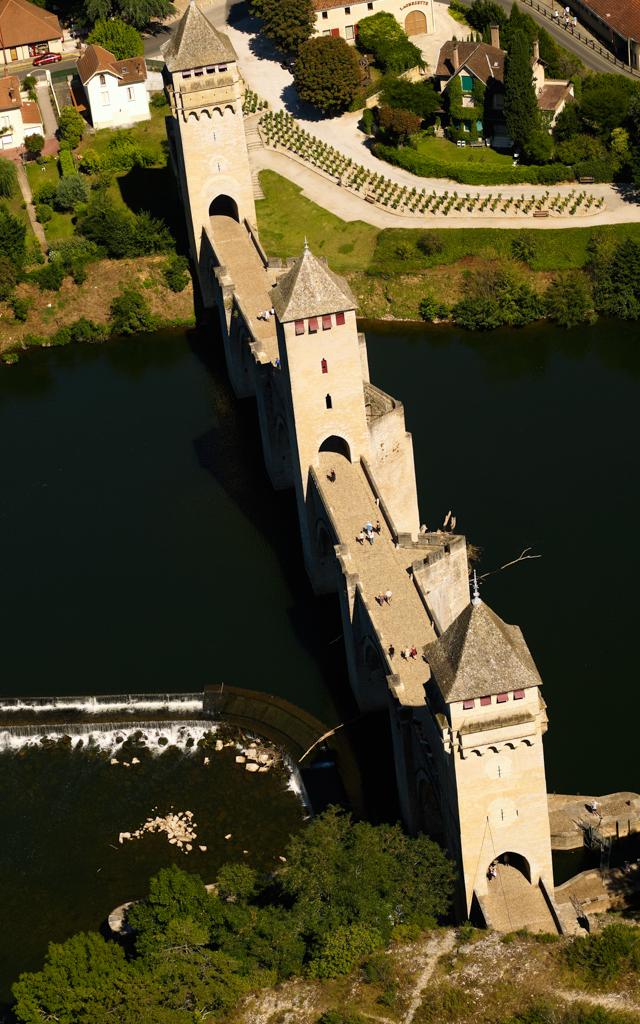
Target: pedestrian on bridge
(360,537)
(387,596)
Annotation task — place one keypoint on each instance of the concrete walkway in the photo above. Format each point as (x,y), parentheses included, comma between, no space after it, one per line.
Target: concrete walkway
(380,567)
(513,903)
(350,207)
(49,119)
(25,189)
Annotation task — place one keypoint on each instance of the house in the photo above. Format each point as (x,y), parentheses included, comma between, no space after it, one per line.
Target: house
(616,23)
(115,90)
(333,18)
(476,105)
(18,117)
(27,30)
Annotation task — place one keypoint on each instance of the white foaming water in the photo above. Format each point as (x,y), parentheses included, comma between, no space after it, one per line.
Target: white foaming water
(109,737)
(129,703)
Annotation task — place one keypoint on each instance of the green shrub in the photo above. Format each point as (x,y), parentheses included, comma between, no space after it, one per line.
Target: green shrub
(378,969)
(342,949)
(34,144)
(12,238)
(49,277)
(470,174)
(444,1003)
(8,278)
(429,243)
(81,331)
(176,273)
(432,309)
(44,213)
(8,178)
(36,340)
(569,300)
(45,194)
(20,307)
(70,192)
(524,247)
(605,956)
(130,313)
(67,165)
(496,298)
(158,101)
(341,1017)
(368,121)
(71,126)
(381,35)
(90,161)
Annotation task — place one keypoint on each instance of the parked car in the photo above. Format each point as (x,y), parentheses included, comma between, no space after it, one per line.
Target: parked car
(46,58)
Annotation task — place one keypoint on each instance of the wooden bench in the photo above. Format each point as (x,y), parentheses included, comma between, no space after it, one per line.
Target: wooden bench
(540,213)
(586,181)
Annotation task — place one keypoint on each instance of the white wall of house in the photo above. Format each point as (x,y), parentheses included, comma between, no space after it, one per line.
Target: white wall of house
(114,105)
(414,16)
(12,120)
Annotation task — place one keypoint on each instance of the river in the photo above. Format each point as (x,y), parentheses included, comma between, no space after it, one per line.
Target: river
(144,550)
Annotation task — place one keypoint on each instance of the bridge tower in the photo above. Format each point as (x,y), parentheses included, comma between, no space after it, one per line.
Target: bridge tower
(206,127)
(323,360)
(484,722)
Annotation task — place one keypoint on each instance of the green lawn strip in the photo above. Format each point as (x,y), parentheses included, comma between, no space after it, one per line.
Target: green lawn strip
(442,151)
(60,226)
(42,174)
(285,217)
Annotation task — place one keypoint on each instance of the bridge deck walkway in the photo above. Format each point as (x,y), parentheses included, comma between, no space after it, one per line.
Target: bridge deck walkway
(252,281)
(380,566)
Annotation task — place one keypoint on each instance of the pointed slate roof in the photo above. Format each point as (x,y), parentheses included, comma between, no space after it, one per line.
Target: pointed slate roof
(309,288)
(196,43)
(479,654)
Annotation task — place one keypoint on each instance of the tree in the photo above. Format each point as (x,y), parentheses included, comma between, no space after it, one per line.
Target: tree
(484,13)
(8,178)
(341,873)
(70,192)
(138,13)
(381,35)
(82,981)
(120,39)
(569,301)
(288,23)
(418,97)
(400,124)
(342,949)
(111,227)
(71,126)
(606,101)
(326,73)
(34,144)
(12,238)
(130,314)
(520,105)
(8,278)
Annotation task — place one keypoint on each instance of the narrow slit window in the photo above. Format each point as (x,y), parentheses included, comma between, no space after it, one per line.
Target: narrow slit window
(325,366)
(299,326)
(468,704)
(313,324)
(484,701)
(326,323)
(502,698)
(328,402)
(339,319)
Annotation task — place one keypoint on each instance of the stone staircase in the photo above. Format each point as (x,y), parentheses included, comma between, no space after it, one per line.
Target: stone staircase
(254,142)
(513,903)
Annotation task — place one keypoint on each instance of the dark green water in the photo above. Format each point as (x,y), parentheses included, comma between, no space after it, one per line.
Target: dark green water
(143,549)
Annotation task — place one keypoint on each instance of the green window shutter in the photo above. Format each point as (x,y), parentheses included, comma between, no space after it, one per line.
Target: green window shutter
(467,83)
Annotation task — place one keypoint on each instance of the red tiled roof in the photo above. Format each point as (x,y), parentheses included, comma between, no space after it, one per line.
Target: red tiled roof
(621,15)
(96,60)
(10,93)
(22,23)
(482,60)
(550,96)
(31,113)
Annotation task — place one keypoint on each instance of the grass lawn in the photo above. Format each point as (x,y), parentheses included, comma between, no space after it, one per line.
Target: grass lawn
(44,174)
(147,133)
(445,152)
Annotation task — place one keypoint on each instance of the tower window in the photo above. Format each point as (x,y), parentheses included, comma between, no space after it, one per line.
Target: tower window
(186,74)
(325,368)
(313,324)
(326,323)
(339,319)
(369,6)
(103,80)
(347,10)
(222,68)
(502,697)
(518,694)
(484,701)
(468,704)
(328,402)
(325,14)
(299,326)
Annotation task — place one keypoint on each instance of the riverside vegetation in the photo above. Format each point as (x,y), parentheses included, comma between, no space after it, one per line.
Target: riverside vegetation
(346,924)
(96,205)
(481,278)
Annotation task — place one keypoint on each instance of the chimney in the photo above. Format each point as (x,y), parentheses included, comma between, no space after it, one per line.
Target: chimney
(495,36)
(536,51)
(455,56)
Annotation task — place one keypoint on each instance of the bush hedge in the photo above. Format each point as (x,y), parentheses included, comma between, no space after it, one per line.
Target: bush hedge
(417,163)
(67,166)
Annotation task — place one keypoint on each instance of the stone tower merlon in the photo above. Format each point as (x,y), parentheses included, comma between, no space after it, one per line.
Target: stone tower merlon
(488,719)
(206,131)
